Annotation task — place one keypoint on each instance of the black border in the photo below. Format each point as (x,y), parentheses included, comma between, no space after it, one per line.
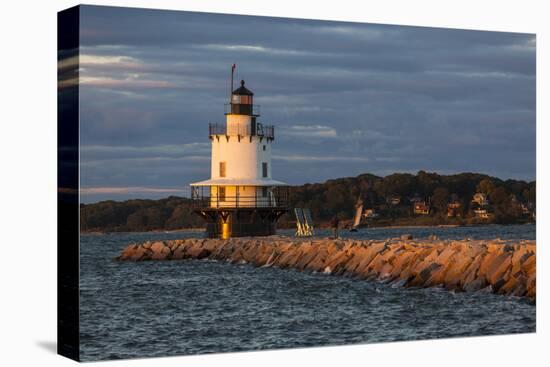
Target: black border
(68,240)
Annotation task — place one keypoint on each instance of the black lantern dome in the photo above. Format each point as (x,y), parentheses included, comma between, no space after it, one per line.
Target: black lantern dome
(242,101)
(242,90)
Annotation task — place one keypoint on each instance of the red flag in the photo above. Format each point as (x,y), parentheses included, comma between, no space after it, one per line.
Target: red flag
(233,67)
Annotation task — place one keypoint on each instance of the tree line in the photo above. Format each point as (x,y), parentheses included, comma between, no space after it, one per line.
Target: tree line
(338,197)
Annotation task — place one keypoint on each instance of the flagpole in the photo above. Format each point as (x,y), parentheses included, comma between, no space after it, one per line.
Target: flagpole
(231,91)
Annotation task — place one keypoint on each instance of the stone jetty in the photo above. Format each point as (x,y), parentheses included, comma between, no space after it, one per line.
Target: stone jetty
(501,266)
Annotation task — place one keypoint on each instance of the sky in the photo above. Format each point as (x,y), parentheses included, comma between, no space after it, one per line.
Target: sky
(345,98)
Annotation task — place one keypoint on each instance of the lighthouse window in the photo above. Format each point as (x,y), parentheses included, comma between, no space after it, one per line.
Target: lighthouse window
(264,147)
(264,169)
(222,169)
(221,193)
(264,191)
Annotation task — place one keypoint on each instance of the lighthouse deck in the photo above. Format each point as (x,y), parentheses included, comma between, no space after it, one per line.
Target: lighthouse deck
(276,198)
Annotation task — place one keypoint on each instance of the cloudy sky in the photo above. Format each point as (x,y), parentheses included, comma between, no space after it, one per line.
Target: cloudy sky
(346,98)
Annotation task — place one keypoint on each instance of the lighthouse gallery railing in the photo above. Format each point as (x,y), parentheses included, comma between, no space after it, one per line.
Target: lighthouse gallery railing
(276,197)
(266,131)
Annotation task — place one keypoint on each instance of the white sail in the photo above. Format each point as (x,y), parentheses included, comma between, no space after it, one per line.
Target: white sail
(358,213)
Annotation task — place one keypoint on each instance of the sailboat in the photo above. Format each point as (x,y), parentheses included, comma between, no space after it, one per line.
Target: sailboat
(358,214)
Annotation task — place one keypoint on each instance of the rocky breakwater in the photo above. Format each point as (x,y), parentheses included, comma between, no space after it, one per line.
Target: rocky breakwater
(504,267)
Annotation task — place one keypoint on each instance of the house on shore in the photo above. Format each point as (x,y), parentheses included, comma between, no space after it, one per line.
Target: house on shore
(421,208)
(454,209)
(480,199)
(525,209)
(483,213)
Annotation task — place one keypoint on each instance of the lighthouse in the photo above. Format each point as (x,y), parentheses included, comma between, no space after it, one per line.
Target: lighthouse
(241,198)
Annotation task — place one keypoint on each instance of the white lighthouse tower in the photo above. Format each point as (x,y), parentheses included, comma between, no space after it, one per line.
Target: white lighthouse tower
(240,198)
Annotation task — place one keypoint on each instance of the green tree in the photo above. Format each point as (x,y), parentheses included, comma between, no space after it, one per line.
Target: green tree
(136,221)
(502,204)
(486,186)
(530,194)
(440,199)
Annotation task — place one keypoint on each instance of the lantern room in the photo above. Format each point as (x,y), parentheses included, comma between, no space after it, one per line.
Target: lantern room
(242,102)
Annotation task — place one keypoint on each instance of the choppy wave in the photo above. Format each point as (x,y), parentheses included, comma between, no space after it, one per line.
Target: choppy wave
(148,309)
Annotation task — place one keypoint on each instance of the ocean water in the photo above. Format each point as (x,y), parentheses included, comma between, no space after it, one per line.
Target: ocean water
(148,309)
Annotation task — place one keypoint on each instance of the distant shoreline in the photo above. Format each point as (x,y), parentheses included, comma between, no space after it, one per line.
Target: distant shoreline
(191,230)
(448,200)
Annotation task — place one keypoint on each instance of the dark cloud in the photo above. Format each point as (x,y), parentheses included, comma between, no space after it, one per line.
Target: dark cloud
(346,98)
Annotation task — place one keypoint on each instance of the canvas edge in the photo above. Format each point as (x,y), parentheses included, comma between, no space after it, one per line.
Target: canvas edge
(68,232)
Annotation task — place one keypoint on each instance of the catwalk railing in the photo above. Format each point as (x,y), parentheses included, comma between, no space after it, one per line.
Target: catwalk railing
(276,197)
(261,130)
